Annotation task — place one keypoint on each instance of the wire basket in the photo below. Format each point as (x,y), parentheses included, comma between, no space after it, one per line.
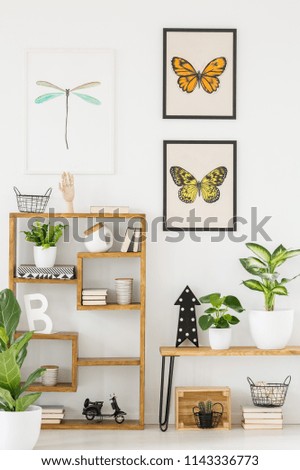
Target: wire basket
(208,420)
(270,394)
(32,203)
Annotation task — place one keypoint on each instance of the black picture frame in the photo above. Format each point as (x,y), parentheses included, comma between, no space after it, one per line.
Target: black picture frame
(232,190)
(182,109)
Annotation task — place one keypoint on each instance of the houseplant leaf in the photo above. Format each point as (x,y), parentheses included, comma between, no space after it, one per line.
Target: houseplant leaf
(4,339)
(24,402)
(253,285)
(232,302)
(206,321)
(292,253)
(10,376)
(259,251)
(285,280)
(32,377)
(279,290)
(206,298)
(6,399)
(10,312)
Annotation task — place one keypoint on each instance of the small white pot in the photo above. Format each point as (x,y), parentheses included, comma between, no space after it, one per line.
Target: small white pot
(99,239)
(219,338)
(271,330)
(20,430)
(44,257)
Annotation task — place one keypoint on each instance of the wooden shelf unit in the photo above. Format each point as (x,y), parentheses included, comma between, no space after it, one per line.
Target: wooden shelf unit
(82,361)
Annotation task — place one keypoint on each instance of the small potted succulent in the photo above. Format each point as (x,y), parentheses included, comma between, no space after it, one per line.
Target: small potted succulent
(20,420)
(45,237)
(270,328)
(218,320)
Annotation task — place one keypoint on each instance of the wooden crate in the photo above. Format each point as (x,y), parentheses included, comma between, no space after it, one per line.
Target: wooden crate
(188,397)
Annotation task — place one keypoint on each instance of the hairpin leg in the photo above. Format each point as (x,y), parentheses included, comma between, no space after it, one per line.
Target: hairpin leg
(163,423)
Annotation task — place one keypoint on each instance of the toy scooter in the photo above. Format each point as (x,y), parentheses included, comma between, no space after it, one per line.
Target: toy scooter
(93,409)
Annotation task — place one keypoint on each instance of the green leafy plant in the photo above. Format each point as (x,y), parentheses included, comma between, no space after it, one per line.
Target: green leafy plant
(44,235)
(205,406)
(12,355)
(264,265)
(217,315)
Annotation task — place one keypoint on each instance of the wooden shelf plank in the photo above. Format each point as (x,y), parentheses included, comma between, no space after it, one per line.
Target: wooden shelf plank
(21,280)
(74,215)
(61,335)
(234,351)
(108,361)
(105,425)
(59,387)
(133,306)
(109,254)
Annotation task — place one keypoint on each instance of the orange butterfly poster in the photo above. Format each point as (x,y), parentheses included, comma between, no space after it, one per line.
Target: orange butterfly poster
(199,73)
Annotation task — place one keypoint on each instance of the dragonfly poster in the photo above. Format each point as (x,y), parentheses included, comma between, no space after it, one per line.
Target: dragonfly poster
(70,104)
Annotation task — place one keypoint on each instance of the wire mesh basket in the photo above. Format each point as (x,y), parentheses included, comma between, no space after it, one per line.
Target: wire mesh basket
(269,394)
(32,203)
(208,420)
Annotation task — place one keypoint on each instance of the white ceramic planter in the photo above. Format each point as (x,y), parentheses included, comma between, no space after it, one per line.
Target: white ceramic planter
(20,430)
(219,338)
(271,330)
(100,240)
(44,257)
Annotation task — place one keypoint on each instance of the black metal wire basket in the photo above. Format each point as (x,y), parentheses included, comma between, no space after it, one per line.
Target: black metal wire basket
(271,394)
(208,420)
(32,203)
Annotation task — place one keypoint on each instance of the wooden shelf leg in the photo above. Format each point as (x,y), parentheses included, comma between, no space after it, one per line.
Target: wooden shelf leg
(164,422)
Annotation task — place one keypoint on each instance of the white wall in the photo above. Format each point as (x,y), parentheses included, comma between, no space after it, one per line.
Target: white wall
(267,131)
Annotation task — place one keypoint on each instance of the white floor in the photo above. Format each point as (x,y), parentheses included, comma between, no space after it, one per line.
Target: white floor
(152,438)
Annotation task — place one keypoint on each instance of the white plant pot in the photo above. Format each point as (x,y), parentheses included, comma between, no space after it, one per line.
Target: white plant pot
(44,257)
(219,338)
(271,330)
(20,430)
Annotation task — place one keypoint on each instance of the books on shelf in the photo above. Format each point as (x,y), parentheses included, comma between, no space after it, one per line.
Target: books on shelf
(109,209)
(94,296)
(132,240)
(256,417)
(52,414)
(30,271)
(94,291)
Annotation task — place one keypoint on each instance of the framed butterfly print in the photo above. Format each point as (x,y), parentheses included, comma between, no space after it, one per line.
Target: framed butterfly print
(199,80)
(200,185)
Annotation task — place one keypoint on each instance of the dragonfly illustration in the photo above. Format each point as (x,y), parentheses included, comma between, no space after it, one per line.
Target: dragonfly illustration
(66,92)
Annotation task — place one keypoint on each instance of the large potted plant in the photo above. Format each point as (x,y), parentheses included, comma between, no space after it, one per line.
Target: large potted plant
(20,420)
(45,237)
(270,328)
(218,319)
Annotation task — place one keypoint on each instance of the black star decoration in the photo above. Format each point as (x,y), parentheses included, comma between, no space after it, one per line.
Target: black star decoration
(187,325)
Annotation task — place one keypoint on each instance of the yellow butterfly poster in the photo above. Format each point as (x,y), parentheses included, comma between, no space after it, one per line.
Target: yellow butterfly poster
(200,185)
(199,73)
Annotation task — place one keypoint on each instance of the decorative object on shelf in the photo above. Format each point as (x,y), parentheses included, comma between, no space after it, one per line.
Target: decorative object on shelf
(270,328)
(206,414)
(262,418)
(17,410)
(132,240)
(208,93)
(109,209)
(45,237)
(66,186)
(89,148)
(187,325)
(50,377)
(37,313)
(94,296)
(124,287)
(98,239)
(93,409)
(269,394)
(32,203)
(199,185)
(52,414)
(30,271)
(217,319)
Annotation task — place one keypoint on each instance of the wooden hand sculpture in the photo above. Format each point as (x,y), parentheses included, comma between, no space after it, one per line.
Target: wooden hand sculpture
(66,186)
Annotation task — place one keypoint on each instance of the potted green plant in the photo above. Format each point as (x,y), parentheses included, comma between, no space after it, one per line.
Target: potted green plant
(45,236)
(20,420)
(270,328)
(218,319)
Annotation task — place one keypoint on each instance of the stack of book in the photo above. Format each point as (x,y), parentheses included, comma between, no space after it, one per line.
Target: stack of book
(132,240)
(256,417)
(52,414)
(94,296)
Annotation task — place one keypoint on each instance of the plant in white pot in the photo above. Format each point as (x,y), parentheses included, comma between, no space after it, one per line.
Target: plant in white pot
(218,320)
(270,328)
(20,420)
(45,237)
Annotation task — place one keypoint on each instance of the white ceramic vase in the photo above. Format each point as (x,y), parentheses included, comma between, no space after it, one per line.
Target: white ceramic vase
(98,240)
(20,430)
(219,338)
(44,257)
(271,330)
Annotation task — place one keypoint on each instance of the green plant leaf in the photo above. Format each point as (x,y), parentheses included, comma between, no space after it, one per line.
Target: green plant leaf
(233,320)
(233,302)
(205,321)
(253,284)
(279,290)
(32,377)
(24,402)
(292,253)
(221,323)
(278,252)
(216,300)
(7,399)
(10,312)
(4,339)
(10,376)
(285,280)
(259,251)
(211,310)
(252,269)
(206,298)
